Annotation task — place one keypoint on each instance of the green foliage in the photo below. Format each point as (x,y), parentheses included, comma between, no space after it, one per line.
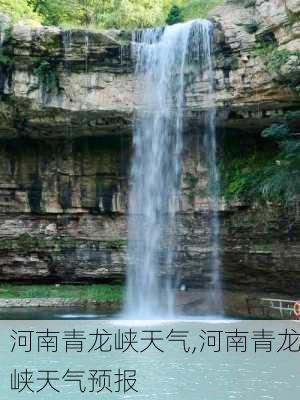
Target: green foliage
(192,9)
(290,59)
(282,179)
(267,176)
(281,57)
(47,77)
(102,14)
(131,14)
(290,115)
(19,9)
(264,50)
(276,59)
(245,3)
(276,131)
(89,13)
(249,3)
(6,61)
(116,244)
(174,16)
(53,11)
(191,180)
(6,64)
(293,18)
(242,177)
(104,293)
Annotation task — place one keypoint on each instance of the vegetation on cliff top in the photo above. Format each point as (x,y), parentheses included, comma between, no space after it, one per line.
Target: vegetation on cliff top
(191,9)
(106,13)
(19,9)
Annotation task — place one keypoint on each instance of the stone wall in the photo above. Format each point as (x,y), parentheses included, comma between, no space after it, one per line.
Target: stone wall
(66,114)
(63,219)
(93,91)
(63,176)
(260,250)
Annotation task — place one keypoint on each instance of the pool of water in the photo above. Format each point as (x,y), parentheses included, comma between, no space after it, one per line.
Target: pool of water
(173,374)
(57,313)
(89,313)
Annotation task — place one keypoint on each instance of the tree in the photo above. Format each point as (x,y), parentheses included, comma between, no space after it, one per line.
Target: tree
(175,15)
(134,14)
(55,12)
(101,13)
(19,9)
(192,9)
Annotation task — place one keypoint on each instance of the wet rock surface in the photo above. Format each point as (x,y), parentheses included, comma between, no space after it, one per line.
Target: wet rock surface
(66,115)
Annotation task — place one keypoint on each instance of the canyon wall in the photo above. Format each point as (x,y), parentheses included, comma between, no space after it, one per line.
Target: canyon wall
(66,120)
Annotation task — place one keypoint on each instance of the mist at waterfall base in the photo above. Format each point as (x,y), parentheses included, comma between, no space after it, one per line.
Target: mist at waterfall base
(162,56)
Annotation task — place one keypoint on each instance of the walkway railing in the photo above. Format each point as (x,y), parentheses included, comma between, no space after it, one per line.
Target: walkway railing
(272,307)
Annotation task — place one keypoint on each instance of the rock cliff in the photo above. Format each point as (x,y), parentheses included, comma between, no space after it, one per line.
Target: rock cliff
(66,113)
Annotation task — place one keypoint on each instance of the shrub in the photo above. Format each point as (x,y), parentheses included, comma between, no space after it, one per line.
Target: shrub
(275,59)
(266,176)
(249,3)
(245,3)
(281,57)
(19,9)
(47,77)
(108,13)
(174,16)
(192,9)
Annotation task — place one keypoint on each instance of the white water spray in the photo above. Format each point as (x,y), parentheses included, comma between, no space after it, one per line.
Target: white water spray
(162,56)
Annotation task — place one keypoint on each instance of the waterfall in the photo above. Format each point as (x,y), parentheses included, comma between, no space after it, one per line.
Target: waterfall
(162,57)
(215,300)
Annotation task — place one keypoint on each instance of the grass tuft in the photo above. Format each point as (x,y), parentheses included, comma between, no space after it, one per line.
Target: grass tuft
(97,292)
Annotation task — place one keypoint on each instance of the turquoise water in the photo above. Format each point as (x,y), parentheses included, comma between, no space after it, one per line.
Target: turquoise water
(172,374)
(52,313)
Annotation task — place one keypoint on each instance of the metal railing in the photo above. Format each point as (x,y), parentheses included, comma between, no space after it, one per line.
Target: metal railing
(268,307)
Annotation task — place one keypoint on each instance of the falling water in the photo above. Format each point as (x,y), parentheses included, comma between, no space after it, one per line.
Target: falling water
(87,49)
(162,57)
(67,42)
(215,300)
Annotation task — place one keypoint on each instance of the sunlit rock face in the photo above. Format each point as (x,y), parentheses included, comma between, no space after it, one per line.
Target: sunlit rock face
(77,79)
(244,78)
(66,112)
(85,80)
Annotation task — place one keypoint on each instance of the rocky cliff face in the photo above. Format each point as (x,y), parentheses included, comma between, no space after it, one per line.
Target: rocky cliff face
(55,80)
(66,112)
(249,90)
